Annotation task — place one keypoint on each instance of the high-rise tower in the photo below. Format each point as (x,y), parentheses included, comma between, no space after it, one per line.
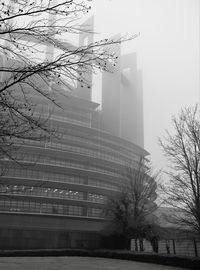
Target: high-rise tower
(122,100)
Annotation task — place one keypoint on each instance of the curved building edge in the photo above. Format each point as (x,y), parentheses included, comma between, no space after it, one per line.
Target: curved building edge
(56,195)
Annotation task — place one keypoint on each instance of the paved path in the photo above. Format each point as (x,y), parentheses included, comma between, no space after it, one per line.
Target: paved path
(76,263)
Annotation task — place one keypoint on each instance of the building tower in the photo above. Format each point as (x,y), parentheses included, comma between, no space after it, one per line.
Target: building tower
(122,99)
(56,195)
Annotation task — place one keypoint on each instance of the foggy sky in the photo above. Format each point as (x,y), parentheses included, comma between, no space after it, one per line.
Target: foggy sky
(168,55)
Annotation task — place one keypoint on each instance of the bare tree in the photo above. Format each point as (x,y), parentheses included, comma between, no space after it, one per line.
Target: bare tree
(132,208)
(29,70)
(182,148)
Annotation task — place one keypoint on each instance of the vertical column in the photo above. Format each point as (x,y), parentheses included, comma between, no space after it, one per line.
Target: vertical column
(195,248)
(85,196)
(111,88)
(86,37)
(131,112)
(174,246)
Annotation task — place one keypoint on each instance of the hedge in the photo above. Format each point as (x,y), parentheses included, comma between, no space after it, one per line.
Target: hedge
(170,260)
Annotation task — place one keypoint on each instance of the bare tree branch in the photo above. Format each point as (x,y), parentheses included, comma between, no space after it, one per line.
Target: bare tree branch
(37,60)
(182,148)
(133,207)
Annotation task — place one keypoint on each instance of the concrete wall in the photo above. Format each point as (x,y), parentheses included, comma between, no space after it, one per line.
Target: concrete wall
(131,106)
(122,99)
(111,95)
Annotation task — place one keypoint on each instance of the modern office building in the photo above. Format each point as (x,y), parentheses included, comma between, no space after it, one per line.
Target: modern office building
(56,195)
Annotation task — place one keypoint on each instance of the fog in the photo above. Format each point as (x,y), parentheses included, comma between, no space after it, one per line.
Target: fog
(167,53)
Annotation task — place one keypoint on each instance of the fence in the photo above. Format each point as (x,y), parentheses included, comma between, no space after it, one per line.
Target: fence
(185,247)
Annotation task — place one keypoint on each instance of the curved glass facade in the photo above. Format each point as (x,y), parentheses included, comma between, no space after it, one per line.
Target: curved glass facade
(69,177)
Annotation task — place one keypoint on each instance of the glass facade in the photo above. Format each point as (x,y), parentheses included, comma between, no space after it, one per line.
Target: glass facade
(72,174)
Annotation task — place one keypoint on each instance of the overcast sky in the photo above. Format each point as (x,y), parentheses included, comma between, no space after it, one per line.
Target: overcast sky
(168,55)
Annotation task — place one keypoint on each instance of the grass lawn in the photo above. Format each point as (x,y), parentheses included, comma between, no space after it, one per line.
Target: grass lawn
(75,263)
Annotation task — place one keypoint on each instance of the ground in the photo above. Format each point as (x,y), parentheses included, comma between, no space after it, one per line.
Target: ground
(75,263)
